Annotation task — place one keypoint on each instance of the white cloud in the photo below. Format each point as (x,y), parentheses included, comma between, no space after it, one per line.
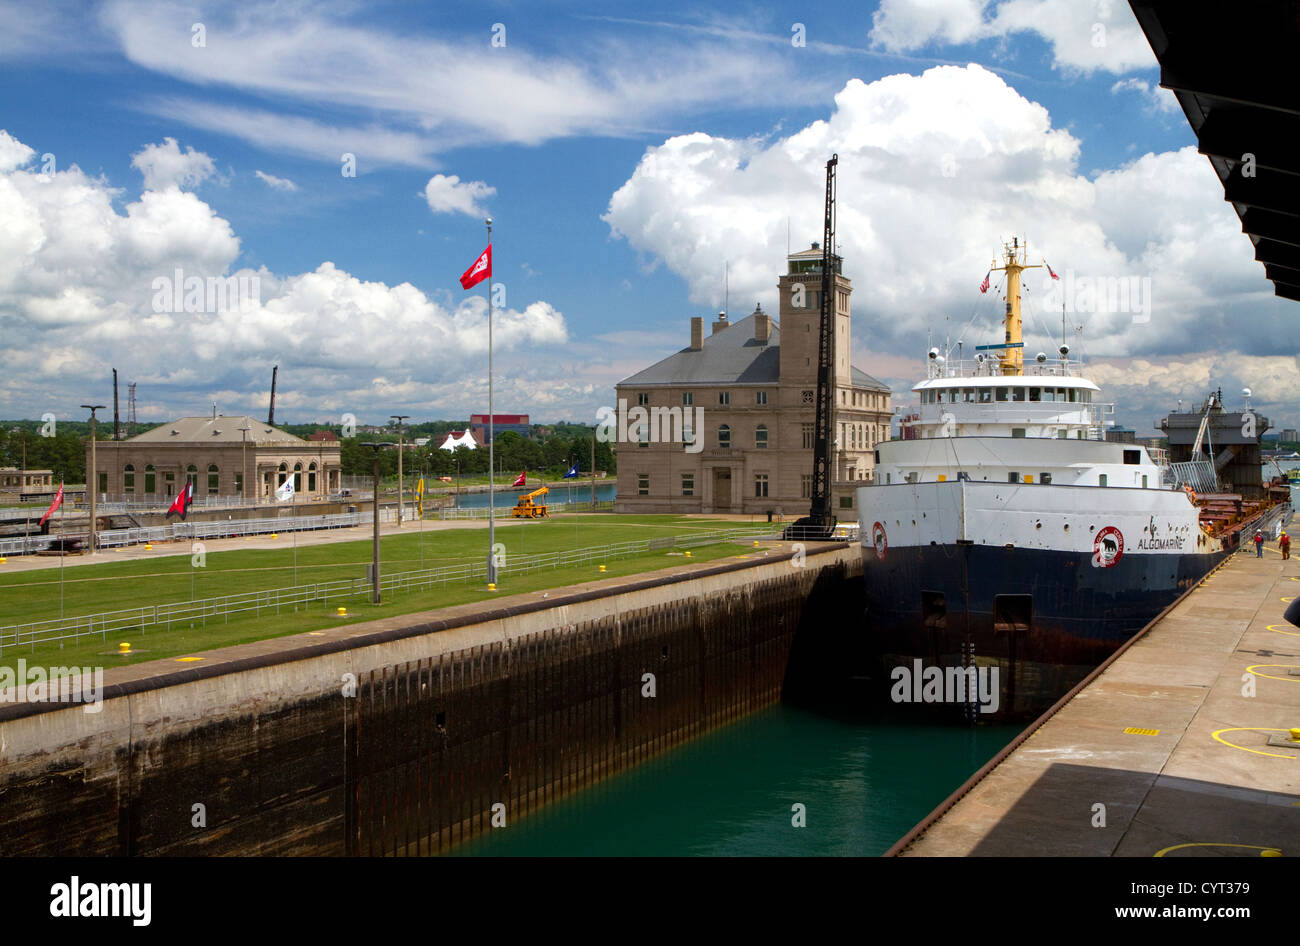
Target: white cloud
(933,171)
(277,183)
(1084,37)
(433,91)
(1155,100)
(165,165)
(79,287)
(448,194)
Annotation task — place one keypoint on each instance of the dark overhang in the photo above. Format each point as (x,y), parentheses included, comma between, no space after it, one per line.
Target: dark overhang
(1232,67)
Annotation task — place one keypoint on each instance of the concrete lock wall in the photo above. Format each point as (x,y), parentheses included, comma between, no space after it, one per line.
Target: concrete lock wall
(409,734)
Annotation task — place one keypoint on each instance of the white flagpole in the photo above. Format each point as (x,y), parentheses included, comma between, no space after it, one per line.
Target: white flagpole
(492,535)
(62,550)
(293,515)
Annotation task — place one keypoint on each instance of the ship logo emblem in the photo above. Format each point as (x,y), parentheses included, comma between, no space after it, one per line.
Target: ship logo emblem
(879,540)
(1107,548)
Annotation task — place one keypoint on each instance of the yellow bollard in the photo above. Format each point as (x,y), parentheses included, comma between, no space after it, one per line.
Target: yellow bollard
(124,648)
(275,535)
(602,568)
(148,546)
(492,586)
(688,554)
(756,543)
(3,560)
(1295,735)
(343,612)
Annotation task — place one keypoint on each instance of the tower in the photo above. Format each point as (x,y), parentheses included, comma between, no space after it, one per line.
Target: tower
(800,322)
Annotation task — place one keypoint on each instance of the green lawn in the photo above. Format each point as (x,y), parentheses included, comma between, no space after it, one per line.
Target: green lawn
(34,595)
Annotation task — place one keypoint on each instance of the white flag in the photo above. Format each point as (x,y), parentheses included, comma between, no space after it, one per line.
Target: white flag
(285,490)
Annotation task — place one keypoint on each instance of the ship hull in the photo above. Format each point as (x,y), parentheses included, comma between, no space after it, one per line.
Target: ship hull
(966,575)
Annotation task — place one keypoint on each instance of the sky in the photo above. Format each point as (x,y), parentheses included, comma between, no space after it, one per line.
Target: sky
(322,171)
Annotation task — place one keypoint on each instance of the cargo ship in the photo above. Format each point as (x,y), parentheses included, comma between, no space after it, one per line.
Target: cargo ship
(1005,533)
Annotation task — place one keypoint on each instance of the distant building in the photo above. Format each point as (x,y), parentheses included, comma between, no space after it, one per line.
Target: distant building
(218,457)
(478,423)
(1288,435)
(15,483)
(752,387)
(1121,435)
(326,436)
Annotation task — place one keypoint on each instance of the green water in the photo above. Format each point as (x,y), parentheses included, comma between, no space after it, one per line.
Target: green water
(863,782)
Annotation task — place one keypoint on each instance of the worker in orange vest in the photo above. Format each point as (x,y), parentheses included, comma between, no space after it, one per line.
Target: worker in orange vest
(1284,544)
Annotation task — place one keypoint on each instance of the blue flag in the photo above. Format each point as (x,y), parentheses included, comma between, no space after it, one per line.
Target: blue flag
(573,472)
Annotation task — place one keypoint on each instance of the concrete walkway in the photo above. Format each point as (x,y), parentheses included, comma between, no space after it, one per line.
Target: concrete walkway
(1172,751)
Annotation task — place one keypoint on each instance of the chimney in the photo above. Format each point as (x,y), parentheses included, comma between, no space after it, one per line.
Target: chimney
(722,323)
(697,333)
(762,325)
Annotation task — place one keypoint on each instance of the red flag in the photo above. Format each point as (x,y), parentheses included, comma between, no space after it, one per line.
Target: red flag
(58,501)
(522,478)
(984,286)
(480,271)
(181,504)
(1049,271)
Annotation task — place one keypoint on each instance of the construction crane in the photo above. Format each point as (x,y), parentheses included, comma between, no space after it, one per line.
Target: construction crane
(525,508)
(820,521)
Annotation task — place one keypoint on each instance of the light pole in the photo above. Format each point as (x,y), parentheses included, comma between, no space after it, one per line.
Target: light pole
(91,481)
(492,534)
(375,564)
(399,418)
(244,464)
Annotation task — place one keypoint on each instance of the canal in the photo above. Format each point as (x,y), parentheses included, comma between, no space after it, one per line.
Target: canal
(863,780)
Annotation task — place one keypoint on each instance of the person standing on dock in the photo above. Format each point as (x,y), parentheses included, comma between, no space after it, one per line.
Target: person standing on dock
(1284,543)
(1259,544)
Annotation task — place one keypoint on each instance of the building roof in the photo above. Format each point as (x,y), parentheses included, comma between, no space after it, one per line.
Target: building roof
(327,435)
(219,429)
(482,419)
(730,356)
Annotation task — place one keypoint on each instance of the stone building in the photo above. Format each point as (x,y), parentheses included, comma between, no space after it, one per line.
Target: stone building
(219,457)
(749,391)
(16,483)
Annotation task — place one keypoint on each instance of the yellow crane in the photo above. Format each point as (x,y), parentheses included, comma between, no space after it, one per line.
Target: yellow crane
(525,508)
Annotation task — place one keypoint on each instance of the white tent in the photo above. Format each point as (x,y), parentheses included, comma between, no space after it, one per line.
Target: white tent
(466,439)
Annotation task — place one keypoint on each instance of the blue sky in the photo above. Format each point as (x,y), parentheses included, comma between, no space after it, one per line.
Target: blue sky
(626,159)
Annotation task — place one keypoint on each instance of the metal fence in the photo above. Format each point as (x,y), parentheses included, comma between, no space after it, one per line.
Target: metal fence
(164,616)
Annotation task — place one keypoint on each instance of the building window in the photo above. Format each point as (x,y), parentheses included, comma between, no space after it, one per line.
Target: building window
(688,484)
(807,436)
(214,479)
(192,476)
(760,485)
(103,481)
(128,479)
(1045,479)
(311,478)
(805,485)
(1013,477)
(688,433)
(284,475)
(643,484)
(760,437)
(297,477)
(169,481)
(846,501)
(724,398)
(688,398)
(724,437)
(760,397)
(239,484)
(1101,480)
(643,400)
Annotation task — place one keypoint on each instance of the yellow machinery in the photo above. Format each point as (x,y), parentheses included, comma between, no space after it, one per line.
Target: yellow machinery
(527,509)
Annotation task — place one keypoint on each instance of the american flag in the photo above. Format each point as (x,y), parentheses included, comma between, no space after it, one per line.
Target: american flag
(984,286)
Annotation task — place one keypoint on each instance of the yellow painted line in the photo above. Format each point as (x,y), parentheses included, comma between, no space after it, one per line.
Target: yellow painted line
(1263,851)
(187,660)
(1276,755)
(1277,629)
(1251,669)
(315,633)
(1135,731)
(1288,600)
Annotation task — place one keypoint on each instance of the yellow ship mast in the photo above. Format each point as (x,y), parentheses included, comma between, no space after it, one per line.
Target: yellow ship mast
(1013,359)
